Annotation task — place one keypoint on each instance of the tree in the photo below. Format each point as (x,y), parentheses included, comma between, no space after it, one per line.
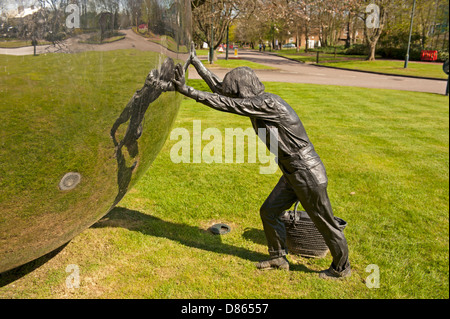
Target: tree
(374,14)
(327,18)
(219,15)
(151,13)
(135,7)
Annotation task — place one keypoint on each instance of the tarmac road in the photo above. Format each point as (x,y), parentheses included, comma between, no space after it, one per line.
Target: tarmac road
(295,72)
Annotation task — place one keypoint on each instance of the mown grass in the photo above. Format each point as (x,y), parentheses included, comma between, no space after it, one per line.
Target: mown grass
(311,56)
(387,158)
(12,44)
(432,70)
(234,63)
(231,63)
(96,39)
(358,62)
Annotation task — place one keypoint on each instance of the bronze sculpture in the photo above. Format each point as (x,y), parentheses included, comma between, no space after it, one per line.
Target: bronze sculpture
(304,176)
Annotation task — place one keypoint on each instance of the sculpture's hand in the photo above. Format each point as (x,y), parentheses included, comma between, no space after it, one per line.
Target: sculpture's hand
(192,57)
(193,52)
(168,86)
(152,79)
(180,80)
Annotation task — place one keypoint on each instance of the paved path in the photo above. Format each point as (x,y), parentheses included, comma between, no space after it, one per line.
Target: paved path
(73,45)
(295,72)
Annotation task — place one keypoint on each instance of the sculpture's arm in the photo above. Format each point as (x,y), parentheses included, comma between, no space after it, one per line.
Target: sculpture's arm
(210,78)
(213,81)
(124,117)
(256,107)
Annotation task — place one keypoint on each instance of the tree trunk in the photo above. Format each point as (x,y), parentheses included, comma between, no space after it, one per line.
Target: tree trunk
(373,36)
(348,40)
(306,37)
(445,42)
(372,50)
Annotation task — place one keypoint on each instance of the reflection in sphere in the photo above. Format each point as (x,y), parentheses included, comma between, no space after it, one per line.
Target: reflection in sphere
(86,106)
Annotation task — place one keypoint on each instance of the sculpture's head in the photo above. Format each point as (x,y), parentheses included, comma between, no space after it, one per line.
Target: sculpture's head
(167,70)
(242,82)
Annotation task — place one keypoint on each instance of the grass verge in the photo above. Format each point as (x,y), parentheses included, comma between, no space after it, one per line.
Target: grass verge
(324,57)
(418,69)
(234,63)
(358,62)
(14,44)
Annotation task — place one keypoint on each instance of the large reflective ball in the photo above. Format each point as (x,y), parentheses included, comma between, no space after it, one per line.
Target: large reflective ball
(85,107)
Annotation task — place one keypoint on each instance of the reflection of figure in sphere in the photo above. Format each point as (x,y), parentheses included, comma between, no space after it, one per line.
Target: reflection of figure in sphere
(156,83)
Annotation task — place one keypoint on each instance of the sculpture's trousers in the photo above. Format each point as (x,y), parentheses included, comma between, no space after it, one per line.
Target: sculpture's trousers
(304,179)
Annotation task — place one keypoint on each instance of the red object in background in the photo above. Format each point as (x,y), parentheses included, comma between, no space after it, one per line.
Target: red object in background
(429,56)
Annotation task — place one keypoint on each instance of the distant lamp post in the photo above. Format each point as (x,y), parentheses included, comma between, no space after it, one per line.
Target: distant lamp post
(446,70)
(211,49)
(410,34)
(228,42)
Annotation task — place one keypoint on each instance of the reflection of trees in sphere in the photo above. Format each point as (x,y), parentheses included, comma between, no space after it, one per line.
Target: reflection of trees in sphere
(68,72)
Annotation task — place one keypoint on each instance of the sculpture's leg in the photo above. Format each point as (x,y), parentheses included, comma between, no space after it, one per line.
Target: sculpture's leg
(281,199)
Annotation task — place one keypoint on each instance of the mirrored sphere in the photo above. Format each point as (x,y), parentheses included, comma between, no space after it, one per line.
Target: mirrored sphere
(85,107)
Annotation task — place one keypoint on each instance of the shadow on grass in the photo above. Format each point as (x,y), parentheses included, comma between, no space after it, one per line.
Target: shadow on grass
(187,235)
(255,235)
(12,275)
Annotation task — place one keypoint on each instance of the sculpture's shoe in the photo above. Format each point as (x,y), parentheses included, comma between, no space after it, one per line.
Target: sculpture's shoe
(330,273)
(274,263)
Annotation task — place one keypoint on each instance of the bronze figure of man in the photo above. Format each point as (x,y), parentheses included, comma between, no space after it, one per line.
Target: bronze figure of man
(304,177)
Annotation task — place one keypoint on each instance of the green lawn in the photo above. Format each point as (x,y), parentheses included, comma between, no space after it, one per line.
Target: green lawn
(231,63)
(234,63)
(11,44)
(387,158)
(431,70)
(96,39)
(356,62)
(311,57)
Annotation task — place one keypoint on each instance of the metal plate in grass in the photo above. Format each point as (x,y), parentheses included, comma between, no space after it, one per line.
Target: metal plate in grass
(220,229)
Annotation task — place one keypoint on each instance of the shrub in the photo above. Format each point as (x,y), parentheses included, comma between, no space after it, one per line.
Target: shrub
(55,37)
(400,53)
(442,56)
(357,49)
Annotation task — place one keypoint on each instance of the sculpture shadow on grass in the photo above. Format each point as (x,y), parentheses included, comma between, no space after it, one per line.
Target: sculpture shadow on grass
(187,235)
(12,275)
(255,235)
